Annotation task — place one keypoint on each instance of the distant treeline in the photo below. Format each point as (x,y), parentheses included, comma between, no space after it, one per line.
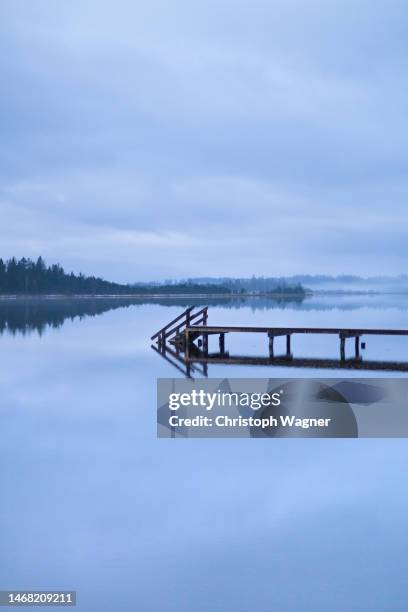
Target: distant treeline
(27,277)
(318,282)
(286,290)
(32,278)
(180,289)
(254,285)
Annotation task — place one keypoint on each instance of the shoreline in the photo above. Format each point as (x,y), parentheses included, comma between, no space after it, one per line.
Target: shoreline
(138,296)
(201,296)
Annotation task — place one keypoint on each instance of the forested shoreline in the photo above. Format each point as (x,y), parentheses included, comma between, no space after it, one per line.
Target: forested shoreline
(26,277)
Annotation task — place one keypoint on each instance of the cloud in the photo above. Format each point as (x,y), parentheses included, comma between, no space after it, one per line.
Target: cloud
(275,130)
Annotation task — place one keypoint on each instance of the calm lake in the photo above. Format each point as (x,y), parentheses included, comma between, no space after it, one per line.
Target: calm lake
(92,501)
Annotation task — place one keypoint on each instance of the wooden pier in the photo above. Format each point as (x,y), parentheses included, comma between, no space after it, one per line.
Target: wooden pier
(188,336)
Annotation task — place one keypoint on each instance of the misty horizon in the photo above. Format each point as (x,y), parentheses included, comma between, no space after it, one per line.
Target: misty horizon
(295,278)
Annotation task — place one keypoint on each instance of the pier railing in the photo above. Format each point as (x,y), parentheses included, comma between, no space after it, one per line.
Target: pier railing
(177,326)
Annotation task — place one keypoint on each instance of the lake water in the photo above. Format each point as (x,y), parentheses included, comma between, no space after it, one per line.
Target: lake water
(92,501)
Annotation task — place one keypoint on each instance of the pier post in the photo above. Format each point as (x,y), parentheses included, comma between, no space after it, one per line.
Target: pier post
(187,343)
(357,346)
(288,345)
(342,347)
(270,335)
(222,343)
(205,344)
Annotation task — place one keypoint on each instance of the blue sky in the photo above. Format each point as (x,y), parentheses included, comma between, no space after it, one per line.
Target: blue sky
(172,139)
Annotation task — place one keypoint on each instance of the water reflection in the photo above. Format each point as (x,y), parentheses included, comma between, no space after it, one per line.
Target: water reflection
(92,500)
(36,314)
(25,315)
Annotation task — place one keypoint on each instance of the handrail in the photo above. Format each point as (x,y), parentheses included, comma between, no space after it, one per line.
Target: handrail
(197,314)
(202,312)
(196,323)
(188,319)
(183,314)
(171,331)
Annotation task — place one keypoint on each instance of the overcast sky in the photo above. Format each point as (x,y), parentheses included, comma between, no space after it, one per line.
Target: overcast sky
(161,139)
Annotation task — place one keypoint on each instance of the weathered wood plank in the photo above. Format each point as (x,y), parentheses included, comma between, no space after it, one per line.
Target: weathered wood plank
(283,331)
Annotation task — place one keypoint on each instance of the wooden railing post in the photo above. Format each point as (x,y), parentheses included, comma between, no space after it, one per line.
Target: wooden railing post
(167,328)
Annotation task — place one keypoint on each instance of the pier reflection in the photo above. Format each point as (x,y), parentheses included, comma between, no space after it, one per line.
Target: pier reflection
(197,363)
